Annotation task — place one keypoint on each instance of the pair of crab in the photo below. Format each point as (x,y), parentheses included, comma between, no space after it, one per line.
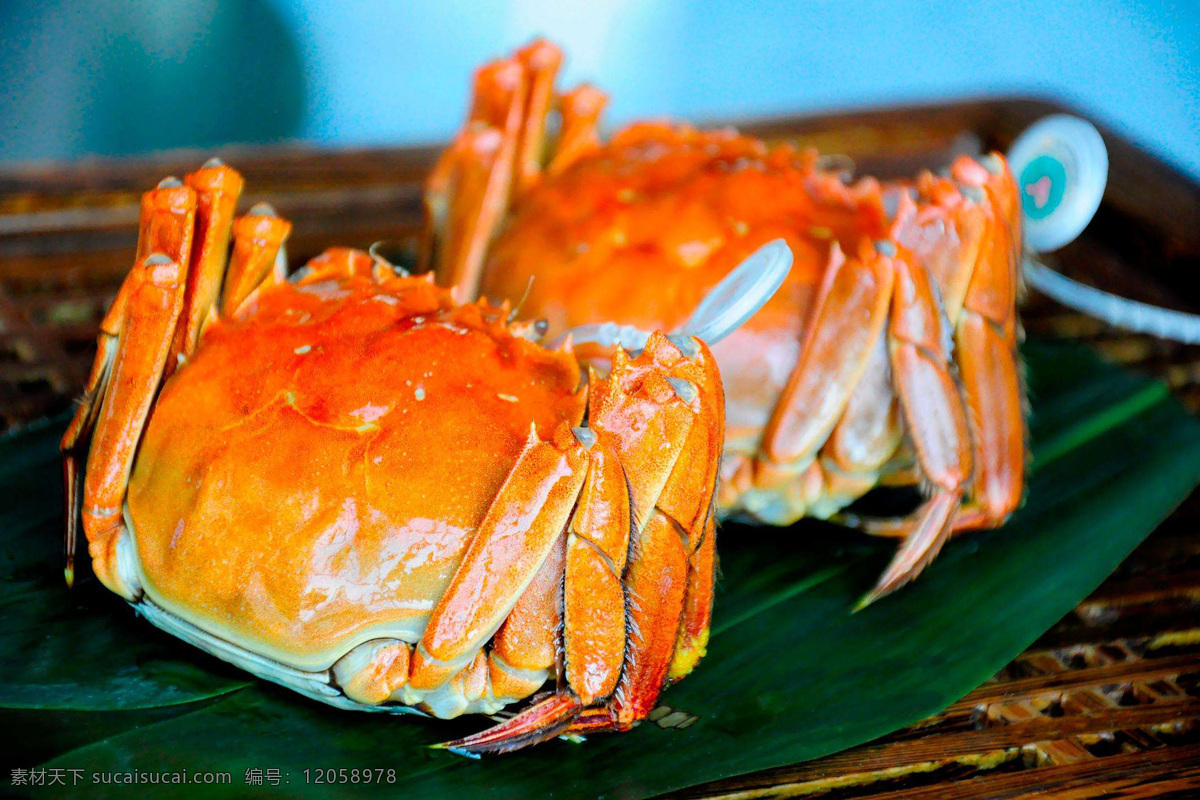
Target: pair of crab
(390,495)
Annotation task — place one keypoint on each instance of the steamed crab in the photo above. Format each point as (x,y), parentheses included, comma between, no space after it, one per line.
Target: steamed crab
(348,482)
(889,357)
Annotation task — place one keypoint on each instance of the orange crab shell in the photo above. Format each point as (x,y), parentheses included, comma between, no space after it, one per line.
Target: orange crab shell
(350,483)
(679,208)
(889,355)
(310,479)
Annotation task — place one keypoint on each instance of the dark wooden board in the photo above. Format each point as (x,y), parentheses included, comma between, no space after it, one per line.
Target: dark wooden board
(1106,704)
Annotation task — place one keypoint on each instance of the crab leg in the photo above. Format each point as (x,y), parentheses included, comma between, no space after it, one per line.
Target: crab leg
(217,190)
(687,498)
(848,319)
(977,274)
(497,155)
(166,218)
(154,301)
(541,61)
(669,584)
(467,198)
(656,580)
(594,596)
(642,404)
(580,109)
(81,425)
(468,190)
(986,338)
(513,541)
(656,584)
(919,343)
(258,240)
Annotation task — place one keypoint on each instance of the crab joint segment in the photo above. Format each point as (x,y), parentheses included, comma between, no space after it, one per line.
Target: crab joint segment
(217,189)
(374,671)
(580,109)
(167,222)
(124,391)
(514,539)
(923,292)
(637,587)
(143,332)
(594,599)
(257,240)
(850,314)
(498,156)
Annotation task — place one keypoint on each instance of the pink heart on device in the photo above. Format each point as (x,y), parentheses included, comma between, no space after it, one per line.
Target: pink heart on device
(1039,190)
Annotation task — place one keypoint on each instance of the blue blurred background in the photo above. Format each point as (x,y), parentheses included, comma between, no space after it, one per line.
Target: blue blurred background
(130,76)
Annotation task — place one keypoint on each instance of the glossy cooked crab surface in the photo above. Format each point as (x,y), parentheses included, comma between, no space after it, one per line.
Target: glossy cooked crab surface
(642,227)
(311,476)
(888,358)
(351,482)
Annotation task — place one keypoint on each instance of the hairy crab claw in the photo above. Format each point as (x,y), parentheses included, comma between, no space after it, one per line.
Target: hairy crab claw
(348,482)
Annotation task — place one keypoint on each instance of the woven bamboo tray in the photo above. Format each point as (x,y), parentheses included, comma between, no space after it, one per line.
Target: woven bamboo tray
(1105,704)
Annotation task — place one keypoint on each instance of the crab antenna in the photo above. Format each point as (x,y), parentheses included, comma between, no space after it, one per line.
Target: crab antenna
(723,310)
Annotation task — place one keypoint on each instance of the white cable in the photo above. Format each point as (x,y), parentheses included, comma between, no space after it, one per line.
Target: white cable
(1061,165)
(1120,312)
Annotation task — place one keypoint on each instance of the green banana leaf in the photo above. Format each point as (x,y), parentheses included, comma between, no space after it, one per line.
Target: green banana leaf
(791,673)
